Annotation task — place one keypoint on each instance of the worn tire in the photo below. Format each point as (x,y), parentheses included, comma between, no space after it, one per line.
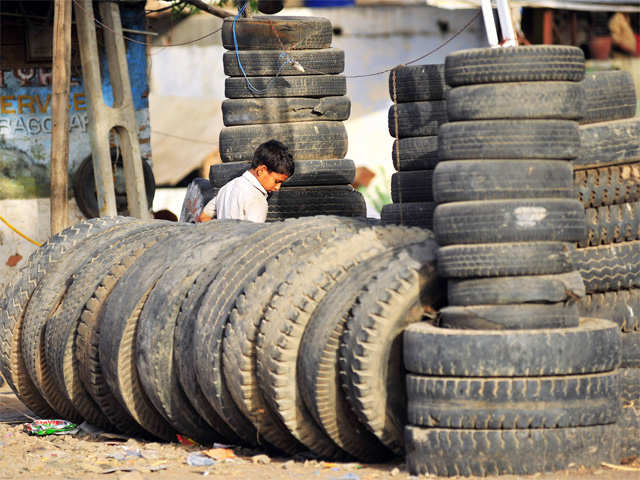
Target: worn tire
(613,185)
(466,180)
(505,259)
(621,307)
(509,139)
(498,221)
(307,173)
(526,100)
(291,33)
(308,86)
(537,63)
(513,403)
(294,202)
(306,140)
(258,63)
(616,142)
(629,417)
(417,83)
(509,290)
(609,95)
(413,214)
(592,347)
(609,267)
(630,350)
(612,224)
(252,111)
(449,452)
(417,153)
(417,119)
(414,186)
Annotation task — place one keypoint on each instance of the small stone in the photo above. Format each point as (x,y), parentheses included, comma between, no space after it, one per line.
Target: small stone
(288,465)
(395,471)
(261,459)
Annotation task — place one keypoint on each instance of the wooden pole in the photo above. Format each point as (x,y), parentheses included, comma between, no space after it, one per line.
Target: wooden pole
(60,115)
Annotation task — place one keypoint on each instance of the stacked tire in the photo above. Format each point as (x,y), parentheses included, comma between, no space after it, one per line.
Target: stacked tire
(224,331)
(511,380)
(284,83)
(607,181)
(419,108)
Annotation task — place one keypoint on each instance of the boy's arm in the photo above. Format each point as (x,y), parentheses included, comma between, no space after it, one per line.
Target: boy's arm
(208,212)
(255,209)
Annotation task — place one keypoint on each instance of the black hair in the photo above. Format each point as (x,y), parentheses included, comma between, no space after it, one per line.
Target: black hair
(275,156)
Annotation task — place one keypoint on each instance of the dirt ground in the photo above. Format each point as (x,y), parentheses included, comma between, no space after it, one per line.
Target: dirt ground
(83,457)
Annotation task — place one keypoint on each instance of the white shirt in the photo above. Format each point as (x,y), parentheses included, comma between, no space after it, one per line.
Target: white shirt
(243,198)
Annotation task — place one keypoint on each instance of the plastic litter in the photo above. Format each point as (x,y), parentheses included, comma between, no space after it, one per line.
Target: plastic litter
(219,453)
(51,427)
(197,459)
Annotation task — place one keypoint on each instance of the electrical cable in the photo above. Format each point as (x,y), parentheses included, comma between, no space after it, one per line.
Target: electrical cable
(192,140)
(19,232)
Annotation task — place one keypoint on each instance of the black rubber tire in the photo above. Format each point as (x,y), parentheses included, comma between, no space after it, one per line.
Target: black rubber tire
(592,347)
(449,452)
(465,180)
(536,63)
(371,370)
(307,173)
(609,143)
(522,316)
(609,95)
(414,214)
(417,119)
(257,63)
(509,290)
(526,100)
(509,139)
(17,295)
(621,307)
(252,111)
(291,33)
(612,224)
(505,259)
(84,186)
(498,221)
(239,345)
(414,186)
(513,403)
(417,153)
(417,83)
(306,140)
(629,386)
(630,350)
(629,418)
(308,86)
(613,185)
(289,312)
(294,202)
(609,267)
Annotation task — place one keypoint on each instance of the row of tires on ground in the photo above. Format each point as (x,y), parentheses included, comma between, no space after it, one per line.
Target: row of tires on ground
(507,221)
(284,82)
(284,336)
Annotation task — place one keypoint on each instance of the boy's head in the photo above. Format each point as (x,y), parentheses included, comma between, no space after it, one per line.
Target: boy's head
(272,164)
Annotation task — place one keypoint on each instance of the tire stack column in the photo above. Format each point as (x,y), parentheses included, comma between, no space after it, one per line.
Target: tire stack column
(418,110)
(511,380)
(284,83)
(607,181)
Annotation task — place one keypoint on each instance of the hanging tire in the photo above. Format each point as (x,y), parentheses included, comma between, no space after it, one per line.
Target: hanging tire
(415,186)
(306,141)
(307,173)
(277,33)
(252,111)
(417,153)
(612,224)
(621,307)
(266,63)
(612,185)
(466,180)
(497,221)
(609,267)
(509,139)
(410,214)
(609,95)
(609,143)
(417,83)
(84,186)
(526,100)
(417,119)
(314,86)
(537,63)
(505,259)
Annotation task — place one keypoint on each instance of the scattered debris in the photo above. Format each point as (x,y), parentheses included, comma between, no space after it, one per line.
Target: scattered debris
(51,427)
(219,453)
(197,459)
(261,459)
(395,471)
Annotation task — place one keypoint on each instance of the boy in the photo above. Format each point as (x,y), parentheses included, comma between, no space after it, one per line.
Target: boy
(245,197)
